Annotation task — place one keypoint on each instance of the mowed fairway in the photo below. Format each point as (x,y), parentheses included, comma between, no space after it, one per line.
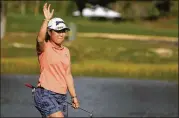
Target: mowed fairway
(96,57)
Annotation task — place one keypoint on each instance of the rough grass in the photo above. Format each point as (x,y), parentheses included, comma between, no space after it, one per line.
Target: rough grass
(97,68)
(31,23)
(127,70)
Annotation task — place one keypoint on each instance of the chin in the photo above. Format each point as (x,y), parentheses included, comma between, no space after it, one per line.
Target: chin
(58,43)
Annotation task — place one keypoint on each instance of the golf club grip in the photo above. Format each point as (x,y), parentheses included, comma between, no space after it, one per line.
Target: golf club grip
(29,85)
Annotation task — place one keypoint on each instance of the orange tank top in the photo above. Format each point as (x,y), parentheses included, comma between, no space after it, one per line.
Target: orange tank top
(54,62)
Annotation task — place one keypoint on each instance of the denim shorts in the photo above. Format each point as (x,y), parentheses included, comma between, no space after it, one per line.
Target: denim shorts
(48,102)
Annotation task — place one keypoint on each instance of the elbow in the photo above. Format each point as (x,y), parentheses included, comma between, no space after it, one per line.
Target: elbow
(40,39)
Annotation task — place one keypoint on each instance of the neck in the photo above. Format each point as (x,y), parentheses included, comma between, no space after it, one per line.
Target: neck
(56,45)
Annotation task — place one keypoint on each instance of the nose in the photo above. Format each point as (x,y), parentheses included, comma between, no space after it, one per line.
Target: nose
(60,33)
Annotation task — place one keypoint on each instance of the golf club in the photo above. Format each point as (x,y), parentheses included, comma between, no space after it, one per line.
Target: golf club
(33,87)
(91,115)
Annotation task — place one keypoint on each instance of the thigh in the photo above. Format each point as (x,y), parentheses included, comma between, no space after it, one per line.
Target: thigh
(44,102)
(58,114)
(61,100)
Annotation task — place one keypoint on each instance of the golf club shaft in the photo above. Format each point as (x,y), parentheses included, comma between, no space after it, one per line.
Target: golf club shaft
(80,108)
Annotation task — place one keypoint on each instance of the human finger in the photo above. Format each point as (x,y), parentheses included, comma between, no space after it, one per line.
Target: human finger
(77,105)
(49,7)
(45,6)
(73,105)
(52,13)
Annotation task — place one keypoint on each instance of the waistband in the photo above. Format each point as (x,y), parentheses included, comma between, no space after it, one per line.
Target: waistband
(40,87)
(50,91)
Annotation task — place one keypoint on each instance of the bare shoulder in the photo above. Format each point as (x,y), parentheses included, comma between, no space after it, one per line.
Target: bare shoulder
(67,51)
(66,48)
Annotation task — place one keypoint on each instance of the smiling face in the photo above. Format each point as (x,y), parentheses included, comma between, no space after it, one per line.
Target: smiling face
(57,36)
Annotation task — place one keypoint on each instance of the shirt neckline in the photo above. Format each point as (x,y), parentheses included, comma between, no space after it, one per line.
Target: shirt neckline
(55,46)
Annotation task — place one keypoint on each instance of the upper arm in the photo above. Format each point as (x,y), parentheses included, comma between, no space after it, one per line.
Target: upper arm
(40,46)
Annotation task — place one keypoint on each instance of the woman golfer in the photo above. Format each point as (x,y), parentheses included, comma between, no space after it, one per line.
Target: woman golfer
(55,68)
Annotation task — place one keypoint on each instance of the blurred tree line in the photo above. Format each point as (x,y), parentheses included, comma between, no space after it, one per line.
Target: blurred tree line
(147,9)
(129,9)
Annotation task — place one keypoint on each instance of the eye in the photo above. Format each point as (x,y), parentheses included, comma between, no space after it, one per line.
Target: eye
(63,31)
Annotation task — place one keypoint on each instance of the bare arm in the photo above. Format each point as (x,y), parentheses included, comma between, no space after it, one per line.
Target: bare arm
(41,36)
(71,87)
(42,33)
(70,84)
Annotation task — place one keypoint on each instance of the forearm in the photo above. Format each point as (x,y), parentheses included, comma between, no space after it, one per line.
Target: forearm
(42,32)
(70,85)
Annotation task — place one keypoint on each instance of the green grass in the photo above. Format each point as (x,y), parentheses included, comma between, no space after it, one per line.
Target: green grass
(31,23)
(103,68)
(121,51)
(97,57)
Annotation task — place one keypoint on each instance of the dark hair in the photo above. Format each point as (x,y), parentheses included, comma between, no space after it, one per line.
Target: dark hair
(47,36)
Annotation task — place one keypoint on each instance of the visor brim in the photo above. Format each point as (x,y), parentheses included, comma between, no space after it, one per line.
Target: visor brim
(66,28)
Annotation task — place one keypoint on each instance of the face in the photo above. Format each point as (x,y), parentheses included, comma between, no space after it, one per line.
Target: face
(57,36)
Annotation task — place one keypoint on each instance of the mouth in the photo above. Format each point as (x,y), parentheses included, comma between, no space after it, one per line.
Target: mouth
(60,37)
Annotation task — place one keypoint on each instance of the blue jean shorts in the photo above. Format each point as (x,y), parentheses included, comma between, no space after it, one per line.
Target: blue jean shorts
(48,102)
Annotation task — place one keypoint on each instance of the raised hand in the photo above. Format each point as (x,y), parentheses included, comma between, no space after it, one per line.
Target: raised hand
(48,15)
